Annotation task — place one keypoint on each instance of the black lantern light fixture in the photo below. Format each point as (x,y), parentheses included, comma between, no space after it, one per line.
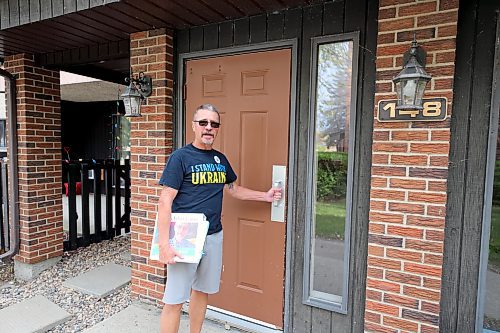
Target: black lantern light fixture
(411,81)
(139,88)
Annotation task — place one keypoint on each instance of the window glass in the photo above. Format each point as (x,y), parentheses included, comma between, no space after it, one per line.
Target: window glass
(3,134)
(330,193)
(121,137)
(491,322)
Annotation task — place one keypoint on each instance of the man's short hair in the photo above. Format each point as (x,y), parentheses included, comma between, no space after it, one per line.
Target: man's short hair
(209,107)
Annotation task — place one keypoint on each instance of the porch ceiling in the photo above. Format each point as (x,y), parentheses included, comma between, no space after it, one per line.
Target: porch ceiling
(71,32)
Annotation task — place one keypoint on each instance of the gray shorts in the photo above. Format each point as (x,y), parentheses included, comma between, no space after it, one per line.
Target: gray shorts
(204,276)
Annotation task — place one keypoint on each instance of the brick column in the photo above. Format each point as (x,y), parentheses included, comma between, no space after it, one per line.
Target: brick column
(409,172)
(151,142)
(40,169)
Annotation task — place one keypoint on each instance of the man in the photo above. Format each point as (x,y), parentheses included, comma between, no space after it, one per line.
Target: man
(193,180)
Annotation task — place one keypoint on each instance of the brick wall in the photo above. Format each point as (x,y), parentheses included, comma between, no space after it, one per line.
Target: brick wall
(40,170)
(409,171)
(151,143)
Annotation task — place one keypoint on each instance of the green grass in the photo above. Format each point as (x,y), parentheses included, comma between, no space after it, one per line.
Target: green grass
(494,257)
(330,219)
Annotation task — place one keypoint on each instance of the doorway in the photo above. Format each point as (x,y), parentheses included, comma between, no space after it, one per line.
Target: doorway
(252,93)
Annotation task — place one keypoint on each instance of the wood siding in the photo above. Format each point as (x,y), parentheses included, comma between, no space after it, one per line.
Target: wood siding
(468,157)
(19,12)
(303,24)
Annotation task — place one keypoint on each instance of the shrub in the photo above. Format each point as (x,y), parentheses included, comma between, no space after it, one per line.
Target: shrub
(331,182)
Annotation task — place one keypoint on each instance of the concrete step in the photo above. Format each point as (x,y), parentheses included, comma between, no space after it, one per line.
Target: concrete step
(101,281)
(37,314)
(139,318)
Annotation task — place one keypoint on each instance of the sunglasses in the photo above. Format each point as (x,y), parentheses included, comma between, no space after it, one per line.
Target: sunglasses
(204,123)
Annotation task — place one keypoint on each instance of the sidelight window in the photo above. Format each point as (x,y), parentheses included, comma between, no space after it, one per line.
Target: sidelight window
(331,137)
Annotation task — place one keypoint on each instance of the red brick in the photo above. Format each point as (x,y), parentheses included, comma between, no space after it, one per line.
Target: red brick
(434,235)
(433,222)
(377,228)
(400,324)
(421,293)
(373,317)
(376,273)
(429,307)
(386,217)
(440,70)
(421,34)
(439,161)
(388,194)
(374,328)
(434,198)
(435,19)
(432,148)
(403,278)
(411,160)
(386,62)
(383,308)
(404,231)
(380,159)
(435,247)
(432,283)
(404,255)
(377,205)
(436,211)
(379,182)
(407,184)
(396,24)
(445,57)
(374,250)
(383,285)
(406,208)
(401,301)
(428,329)
(434,259)
(437,186)
(423,270)
(390,147)
(388,171)
(384,263)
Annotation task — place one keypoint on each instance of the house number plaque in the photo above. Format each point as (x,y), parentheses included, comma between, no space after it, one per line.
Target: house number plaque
(434,109)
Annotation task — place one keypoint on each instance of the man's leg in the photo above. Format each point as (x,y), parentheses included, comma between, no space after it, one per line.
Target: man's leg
(170,318)
(197,308)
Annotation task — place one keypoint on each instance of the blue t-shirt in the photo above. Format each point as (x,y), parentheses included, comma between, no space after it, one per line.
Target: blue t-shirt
(199,176)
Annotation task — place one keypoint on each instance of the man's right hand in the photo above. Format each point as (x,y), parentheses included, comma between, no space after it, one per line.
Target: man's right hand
(168,254)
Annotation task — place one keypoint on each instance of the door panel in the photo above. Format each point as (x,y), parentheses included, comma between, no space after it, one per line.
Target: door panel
(252,92)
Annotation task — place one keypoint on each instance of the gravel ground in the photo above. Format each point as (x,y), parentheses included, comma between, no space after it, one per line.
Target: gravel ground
(86,310)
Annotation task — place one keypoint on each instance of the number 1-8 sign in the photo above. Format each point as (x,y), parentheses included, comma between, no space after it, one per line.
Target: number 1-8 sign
(432,110)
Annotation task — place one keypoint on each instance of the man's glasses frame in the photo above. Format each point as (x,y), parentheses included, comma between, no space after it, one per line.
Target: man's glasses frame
(204,123)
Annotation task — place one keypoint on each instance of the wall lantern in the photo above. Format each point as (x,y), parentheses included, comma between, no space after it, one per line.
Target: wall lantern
(411,81)
(139,88)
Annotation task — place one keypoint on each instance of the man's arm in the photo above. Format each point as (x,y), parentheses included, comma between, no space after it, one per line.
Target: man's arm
(243,193)
(167,253)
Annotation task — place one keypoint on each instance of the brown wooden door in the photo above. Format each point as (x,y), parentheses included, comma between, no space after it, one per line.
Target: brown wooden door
(252,91)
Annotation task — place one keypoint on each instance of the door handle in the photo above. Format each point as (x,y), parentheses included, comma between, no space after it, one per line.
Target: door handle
(278,185)
(279,181)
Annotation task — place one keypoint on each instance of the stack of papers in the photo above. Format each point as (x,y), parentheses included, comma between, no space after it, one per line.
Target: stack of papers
(187,236)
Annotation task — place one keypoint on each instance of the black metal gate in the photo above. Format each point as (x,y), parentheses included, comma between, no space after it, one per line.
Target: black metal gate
(98,178)
(5,230)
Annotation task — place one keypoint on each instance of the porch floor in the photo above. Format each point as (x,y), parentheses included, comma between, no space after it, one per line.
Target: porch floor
(77,311)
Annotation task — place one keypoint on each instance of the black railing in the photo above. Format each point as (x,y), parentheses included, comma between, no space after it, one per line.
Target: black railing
(5,228)
(106,178)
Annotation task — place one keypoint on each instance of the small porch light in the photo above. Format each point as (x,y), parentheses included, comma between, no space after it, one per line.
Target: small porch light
(139,88)
(411,81)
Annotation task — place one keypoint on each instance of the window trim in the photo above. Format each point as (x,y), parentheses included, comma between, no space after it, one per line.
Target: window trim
(308,299)
(489,180)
